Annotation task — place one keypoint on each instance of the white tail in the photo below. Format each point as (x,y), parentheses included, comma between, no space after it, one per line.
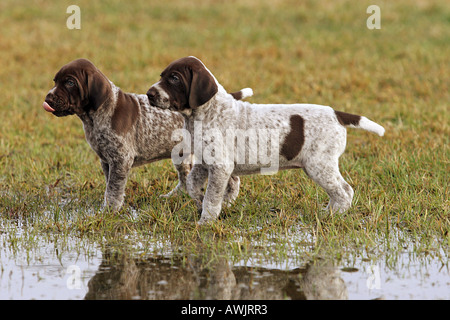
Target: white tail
(355,121)
(371,126)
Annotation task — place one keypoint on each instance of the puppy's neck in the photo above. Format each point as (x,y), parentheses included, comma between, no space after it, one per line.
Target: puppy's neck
(221,100)
(89,117)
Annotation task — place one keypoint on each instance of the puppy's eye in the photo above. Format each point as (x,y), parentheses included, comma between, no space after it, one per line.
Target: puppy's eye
(174,79)
(70,83)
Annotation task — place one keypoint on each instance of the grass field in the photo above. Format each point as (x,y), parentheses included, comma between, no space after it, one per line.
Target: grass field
(311,52)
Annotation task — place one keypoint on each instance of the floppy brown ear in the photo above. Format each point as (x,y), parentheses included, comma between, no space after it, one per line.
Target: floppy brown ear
(203,87)
(98,88)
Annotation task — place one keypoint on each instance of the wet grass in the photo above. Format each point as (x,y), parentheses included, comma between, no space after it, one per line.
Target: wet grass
(51,182)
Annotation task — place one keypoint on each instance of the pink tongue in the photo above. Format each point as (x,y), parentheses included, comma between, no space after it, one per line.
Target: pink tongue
(47,108)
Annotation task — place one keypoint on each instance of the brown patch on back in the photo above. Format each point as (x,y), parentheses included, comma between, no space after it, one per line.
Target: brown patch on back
(293,142)
(126,113)
(347,119)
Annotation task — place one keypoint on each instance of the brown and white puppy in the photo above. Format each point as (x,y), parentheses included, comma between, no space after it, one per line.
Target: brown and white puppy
(122,128)
(232,137)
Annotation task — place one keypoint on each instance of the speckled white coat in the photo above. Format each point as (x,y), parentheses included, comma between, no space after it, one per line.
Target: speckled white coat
(305,136)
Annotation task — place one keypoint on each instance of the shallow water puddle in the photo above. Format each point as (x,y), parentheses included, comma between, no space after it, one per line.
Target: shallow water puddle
(418,280)
(60,270)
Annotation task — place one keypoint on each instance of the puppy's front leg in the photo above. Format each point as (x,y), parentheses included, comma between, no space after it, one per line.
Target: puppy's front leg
(115,188)
(196,181)
(218,178)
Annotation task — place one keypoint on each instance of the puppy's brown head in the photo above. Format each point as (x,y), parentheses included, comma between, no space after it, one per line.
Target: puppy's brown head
(184,85)
(79,88)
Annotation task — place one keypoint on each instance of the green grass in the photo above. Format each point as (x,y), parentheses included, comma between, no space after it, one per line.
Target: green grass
(314,52)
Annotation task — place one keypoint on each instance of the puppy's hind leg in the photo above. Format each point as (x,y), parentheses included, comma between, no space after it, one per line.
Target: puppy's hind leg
(327,175)
(183,170)
(195,184)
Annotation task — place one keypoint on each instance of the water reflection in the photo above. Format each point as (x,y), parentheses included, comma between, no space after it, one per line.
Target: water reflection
(54,266)
(121,276)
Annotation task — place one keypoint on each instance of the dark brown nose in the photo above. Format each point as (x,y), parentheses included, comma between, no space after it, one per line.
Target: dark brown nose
(151,93)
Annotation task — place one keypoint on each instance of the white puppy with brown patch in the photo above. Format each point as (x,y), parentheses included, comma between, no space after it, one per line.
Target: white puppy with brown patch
(232,138)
